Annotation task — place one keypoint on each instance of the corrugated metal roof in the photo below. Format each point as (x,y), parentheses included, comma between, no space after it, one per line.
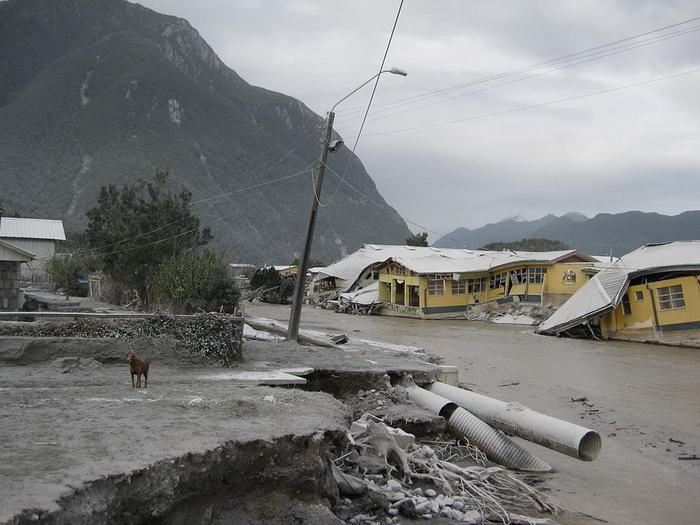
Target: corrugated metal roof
(424,260)
(24,228)
(605,290)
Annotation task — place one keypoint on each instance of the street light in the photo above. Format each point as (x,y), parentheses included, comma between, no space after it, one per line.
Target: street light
(295,316)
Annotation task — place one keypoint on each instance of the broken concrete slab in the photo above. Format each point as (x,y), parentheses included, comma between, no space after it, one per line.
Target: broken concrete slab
(274,377)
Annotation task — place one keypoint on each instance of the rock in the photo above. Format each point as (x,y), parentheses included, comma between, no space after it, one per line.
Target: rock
(418,491)
(449,501)
(472,517)
(434,507)
(427,451)
(408,509)
(430,493)
(269,399)
(456,515)
(394,486)
(393,512)
(427,516)
(458,504)
(393,497)
(196,402)
(422,508)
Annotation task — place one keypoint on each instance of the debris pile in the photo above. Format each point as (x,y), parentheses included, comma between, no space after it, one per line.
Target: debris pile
(215,336)
(386,475)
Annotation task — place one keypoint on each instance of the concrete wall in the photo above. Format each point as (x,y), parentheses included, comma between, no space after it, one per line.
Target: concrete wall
(9,286)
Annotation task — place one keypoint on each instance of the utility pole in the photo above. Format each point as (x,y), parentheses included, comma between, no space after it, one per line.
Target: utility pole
(295,317)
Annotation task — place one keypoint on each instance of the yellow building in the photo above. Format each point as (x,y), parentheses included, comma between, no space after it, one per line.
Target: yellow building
(443,283)
(650,295)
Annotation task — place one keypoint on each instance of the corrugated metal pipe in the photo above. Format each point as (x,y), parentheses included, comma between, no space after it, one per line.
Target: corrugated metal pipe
(497,446)
(567,438)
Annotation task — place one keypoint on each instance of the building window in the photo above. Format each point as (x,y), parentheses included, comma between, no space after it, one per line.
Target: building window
(671,297)
(435,287)
(459,287)
(626,306)
(536,275)
(498,281)
(476,285)
(639,296)
(518,276)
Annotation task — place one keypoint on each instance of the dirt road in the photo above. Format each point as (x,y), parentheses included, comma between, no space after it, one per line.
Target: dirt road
(645,402)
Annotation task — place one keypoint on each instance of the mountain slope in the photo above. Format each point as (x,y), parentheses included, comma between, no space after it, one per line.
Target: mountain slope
(621,232)
(103,91)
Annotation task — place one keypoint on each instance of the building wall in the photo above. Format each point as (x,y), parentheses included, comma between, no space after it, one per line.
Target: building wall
(560,282)
(10,297)
(646,322)
(43,249)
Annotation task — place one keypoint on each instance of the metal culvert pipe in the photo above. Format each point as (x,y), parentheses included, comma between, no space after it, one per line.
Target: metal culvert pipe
(497,446)
(570,439)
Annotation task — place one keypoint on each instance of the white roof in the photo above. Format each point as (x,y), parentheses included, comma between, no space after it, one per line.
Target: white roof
(367,295)
(605,290)
(424,260)
(23,228)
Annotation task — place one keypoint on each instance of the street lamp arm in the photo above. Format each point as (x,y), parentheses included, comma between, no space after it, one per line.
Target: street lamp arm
(393,70)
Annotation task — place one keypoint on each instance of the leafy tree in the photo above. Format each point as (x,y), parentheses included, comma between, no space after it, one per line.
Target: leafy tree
(275,288)
(66,270)
(196,280)
(418,239)
(527,245)
(140,226)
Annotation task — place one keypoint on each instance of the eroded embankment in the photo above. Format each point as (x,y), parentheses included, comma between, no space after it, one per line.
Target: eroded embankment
(260,481)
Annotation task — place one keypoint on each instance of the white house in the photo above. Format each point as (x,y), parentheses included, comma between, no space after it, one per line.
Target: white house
(36,236)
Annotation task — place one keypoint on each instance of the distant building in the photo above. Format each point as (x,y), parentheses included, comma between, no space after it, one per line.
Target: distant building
(287,271)
(650,295)
(429,282)
(36,236)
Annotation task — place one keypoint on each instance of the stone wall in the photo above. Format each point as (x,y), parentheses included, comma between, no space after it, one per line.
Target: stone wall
(9,286)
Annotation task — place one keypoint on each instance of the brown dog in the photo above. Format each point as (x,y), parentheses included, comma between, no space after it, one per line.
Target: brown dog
(138,367)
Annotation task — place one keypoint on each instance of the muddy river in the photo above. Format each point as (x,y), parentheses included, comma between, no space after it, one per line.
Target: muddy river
(644,400)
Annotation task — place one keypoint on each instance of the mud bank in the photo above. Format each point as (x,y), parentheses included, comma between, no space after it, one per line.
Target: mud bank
(84,447)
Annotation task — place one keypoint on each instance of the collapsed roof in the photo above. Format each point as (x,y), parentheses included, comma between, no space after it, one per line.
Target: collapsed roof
(425,260)
(604,291)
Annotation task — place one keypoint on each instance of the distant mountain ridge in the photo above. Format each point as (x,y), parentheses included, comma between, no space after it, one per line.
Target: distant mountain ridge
(620,232)
(94,92)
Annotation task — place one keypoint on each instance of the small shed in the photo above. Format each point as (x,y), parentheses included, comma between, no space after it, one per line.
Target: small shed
(36,236)
(11,258)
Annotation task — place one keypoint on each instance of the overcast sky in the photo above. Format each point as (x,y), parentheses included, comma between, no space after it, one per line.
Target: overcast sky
(630,149)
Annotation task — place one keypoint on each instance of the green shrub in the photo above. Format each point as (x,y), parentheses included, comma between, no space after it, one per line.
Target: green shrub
(67,270)
(195,281)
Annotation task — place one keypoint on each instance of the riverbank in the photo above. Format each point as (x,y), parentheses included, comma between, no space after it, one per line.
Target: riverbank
(642,397)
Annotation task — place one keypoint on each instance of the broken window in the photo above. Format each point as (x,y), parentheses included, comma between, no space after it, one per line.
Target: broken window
(671,297)
(536,275)
(518,276)
(435,287)
(498,281)
(459,287)
(476,285)
(626,306)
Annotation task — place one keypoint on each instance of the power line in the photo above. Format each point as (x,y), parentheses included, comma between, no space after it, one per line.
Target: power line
(538,105)
(600,55)
(523,69)
(351,158)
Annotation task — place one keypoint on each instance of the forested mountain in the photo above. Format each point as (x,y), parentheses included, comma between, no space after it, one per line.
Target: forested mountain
(620,232)
(94,92)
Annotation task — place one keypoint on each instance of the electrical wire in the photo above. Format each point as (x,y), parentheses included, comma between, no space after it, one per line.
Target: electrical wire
(547,63)
(537,105)
(351,158)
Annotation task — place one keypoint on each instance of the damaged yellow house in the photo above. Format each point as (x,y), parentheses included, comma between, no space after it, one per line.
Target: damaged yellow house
(438,283)
(650,295)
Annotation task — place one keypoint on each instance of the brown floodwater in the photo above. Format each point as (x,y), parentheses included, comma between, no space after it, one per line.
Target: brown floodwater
(642,396)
